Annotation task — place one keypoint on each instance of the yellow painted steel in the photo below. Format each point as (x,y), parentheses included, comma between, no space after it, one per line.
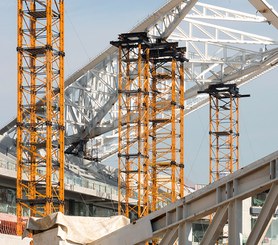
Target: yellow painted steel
(224,134)
(151,124)
(181,139)
(40,109)
(223,130)
(154,189)
(33,137)
(173,161)
(146,145)
(237,134)
(133,141)
(19,207)
(61,121)
(166,129)
(120,178)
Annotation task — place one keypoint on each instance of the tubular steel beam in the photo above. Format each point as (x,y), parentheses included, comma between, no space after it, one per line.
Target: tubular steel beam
(166,124)
(144,113)
(250,180)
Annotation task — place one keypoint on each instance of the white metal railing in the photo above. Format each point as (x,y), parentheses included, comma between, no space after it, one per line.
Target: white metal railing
(74,180)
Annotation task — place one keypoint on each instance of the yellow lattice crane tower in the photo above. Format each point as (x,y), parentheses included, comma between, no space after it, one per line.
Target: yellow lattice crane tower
(151,118)
(224,129)
(166,123)
(133,145)
(40,109)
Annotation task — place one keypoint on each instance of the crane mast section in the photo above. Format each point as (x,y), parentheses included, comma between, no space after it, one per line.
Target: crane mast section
(167,123)
(40,109)
(223,129)
(133,143)
(151,115)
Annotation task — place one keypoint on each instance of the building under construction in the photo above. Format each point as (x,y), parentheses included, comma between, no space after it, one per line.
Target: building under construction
(128,107)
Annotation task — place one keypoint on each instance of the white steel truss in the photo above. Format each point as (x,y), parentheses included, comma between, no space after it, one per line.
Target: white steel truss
(267,11)
(207,11)
(223,197)
(216,53)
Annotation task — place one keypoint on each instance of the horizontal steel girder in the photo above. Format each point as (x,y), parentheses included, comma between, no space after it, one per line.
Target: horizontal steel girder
(255,178)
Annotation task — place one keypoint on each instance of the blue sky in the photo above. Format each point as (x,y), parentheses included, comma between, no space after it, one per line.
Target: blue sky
(90,26)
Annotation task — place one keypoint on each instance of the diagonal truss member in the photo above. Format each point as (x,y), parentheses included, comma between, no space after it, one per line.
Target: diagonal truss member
(40,109)
(224,129)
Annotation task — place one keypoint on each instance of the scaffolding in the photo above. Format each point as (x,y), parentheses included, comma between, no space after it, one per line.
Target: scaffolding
(224,129)
(40,109)
(166,123)
(133,99)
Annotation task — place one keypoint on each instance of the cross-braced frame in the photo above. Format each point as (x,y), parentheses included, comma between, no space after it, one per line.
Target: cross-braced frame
(166,124)
(133,148)
(40,109)
(224,129)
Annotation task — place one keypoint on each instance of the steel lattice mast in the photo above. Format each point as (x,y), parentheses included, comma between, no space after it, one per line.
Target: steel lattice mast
(224,129)
(146,109)
(40,109)
(167,124)
(133,141)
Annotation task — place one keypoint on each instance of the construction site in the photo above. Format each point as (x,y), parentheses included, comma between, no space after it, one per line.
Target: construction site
(168,136)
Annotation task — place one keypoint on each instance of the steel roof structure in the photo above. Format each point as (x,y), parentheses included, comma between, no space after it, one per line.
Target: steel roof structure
(217,51)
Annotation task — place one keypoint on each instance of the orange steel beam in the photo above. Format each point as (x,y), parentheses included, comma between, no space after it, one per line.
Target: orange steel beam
(181,139)
(19,187)
(40,109)
(154,189)
(145,136)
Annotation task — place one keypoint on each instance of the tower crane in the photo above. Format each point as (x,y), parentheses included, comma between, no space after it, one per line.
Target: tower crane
(40,109)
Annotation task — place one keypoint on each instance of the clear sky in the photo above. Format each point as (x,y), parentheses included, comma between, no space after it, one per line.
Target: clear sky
(89,27)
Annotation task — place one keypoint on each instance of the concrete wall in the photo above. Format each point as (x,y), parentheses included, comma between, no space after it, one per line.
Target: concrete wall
(13,240)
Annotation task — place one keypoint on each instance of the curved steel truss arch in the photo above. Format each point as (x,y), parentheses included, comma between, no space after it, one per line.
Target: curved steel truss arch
(217,51)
